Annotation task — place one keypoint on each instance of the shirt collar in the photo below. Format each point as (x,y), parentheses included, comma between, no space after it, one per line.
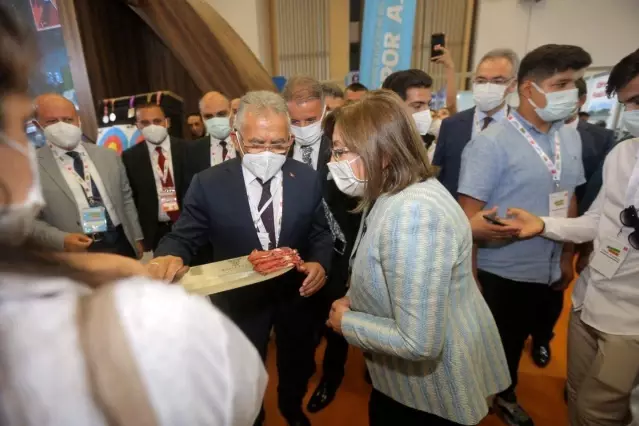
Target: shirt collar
(57,151)
(574,123)
(249,177)
(215,141)
(532,129)
(165,145)
(497,116)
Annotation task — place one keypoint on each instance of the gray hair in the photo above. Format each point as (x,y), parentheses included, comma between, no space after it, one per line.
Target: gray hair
(509,54)
(259,102)
(302,88)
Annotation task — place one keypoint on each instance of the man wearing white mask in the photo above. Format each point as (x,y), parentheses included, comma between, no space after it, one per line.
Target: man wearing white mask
(495,78)
(156,175)
(533,160)
(269,201)
(88,201)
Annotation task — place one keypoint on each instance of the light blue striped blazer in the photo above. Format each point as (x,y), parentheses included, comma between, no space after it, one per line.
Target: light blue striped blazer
(430,340)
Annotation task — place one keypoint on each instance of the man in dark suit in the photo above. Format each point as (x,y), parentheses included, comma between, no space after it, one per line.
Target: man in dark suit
(495,78)
(596,143)
(154,169)
(269,201)
(306,103)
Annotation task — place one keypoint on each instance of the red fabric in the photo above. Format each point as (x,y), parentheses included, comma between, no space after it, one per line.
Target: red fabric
(168,182)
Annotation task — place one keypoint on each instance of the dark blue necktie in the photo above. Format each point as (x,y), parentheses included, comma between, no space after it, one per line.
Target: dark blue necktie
(268,217)
(96,201)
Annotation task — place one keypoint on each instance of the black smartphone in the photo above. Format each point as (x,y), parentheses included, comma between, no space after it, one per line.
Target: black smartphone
(494,220)
(437,39)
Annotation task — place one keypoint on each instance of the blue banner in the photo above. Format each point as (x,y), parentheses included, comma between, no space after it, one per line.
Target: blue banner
(387,39)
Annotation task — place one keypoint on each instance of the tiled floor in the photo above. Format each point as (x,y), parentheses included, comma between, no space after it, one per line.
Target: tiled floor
(540,390)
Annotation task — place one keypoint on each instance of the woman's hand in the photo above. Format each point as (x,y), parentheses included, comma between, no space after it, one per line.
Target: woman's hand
(337,312)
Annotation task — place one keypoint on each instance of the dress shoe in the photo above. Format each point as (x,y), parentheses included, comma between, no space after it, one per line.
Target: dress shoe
(323,395)
(298,419)
(541,354)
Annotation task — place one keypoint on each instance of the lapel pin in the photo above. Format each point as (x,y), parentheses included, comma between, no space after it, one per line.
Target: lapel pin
(292,174)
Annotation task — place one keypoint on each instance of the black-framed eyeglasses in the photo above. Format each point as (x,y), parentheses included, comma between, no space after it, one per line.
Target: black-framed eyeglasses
(629,218)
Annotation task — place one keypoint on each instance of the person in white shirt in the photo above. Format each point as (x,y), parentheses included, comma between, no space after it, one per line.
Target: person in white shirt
(603,340)
(89,205)
(235,105)
(184,362)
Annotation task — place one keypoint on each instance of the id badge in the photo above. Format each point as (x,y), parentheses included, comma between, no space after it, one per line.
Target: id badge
(264,239)
(168,200)
(611,255)
(94,220)
(558,203)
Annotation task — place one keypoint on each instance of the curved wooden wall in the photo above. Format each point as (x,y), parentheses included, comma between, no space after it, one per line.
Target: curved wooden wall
(214,55)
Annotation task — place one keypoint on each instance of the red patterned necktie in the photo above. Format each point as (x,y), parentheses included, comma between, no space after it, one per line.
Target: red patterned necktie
(167,183)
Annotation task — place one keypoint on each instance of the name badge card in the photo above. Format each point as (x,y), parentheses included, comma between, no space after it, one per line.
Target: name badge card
(168,200)
(558,204)
(611,255)
(94,220)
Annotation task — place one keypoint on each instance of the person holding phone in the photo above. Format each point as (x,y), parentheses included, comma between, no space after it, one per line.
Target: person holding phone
(603,342)
(529,159)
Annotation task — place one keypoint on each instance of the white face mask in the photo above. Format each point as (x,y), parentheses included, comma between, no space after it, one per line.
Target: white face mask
(435,126)
(631,122)
(488,96)
(218,127)
(17,220)
(559,105)
(155,134)
(345,178)
(63,135)
(264,165)
(308,135)
(423,120)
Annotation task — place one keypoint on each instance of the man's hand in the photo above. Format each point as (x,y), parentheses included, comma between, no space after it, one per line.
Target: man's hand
(139,249)
(76,243)
(583,253)
(103,267)
(530,225)
(445,58)
(337,313)
(484,230)
(567,274)
(167,268)
(315,278)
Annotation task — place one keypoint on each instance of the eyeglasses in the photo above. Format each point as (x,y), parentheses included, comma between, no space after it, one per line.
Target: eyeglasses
(278,148)
(339,152)
(630,219)
(499,80)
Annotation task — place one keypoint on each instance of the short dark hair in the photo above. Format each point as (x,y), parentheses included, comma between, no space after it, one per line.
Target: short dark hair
(550,59)
(584,114)
(150,105)
(400,81)
(356,87)
(582,87)
(623,73)
(332,89)
(193,114)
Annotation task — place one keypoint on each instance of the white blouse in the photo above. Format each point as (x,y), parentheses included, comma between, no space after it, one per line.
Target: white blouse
(198,367)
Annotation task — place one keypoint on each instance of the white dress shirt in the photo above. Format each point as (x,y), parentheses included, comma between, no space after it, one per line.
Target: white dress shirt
(478,119)
(254,192)
(197,367)
(166,150)
(574,123)
(216,151)
(297,152)
(71,177)
(610,305)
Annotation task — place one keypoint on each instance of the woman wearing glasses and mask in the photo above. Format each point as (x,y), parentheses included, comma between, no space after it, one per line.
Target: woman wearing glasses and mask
(131,352)
(432,347)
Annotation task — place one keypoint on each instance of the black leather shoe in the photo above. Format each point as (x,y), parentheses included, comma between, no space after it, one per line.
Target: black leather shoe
(541,355)
(298,419)
(323,395)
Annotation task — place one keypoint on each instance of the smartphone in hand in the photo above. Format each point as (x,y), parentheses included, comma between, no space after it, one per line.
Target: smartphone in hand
(437,39)
(494,220)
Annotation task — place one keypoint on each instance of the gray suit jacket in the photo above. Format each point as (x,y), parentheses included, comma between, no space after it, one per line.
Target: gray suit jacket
(60,216)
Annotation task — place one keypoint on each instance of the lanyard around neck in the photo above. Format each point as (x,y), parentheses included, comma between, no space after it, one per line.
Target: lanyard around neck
(554,167)
(84,181)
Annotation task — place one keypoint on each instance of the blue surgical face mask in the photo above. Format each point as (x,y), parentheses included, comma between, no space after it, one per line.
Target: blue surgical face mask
(631,122)
(559,105)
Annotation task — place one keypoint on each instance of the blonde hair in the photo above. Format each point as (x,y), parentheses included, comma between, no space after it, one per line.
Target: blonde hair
(380,130)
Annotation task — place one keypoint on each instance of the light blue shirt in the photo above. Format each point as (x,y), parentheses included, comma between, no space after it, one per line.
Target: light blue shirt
(500,168)
(481,115)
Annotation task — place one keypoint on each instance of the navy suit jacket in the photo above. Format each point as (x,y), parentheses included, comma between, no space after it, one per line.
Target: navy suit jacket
(596,143)
(216,209)
(454,134)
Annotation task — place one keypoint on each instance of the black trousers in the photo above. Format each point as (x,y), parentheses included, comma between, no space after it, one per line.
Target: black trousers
(515,307)
(385,411)
(278,306)
(115,242)
(547,317)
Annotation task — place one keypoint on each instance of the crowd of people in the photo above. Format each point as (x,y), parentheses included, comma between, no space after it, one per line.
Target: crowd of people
(437,243)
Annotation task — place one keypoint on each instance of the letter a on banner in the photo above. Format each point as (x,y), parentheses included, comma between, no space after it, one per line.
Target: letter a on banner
(387,39)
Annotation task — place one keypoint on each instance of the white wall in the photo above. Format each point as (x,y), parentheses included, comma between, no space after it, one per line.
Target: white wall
(250,20)
(607,29)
